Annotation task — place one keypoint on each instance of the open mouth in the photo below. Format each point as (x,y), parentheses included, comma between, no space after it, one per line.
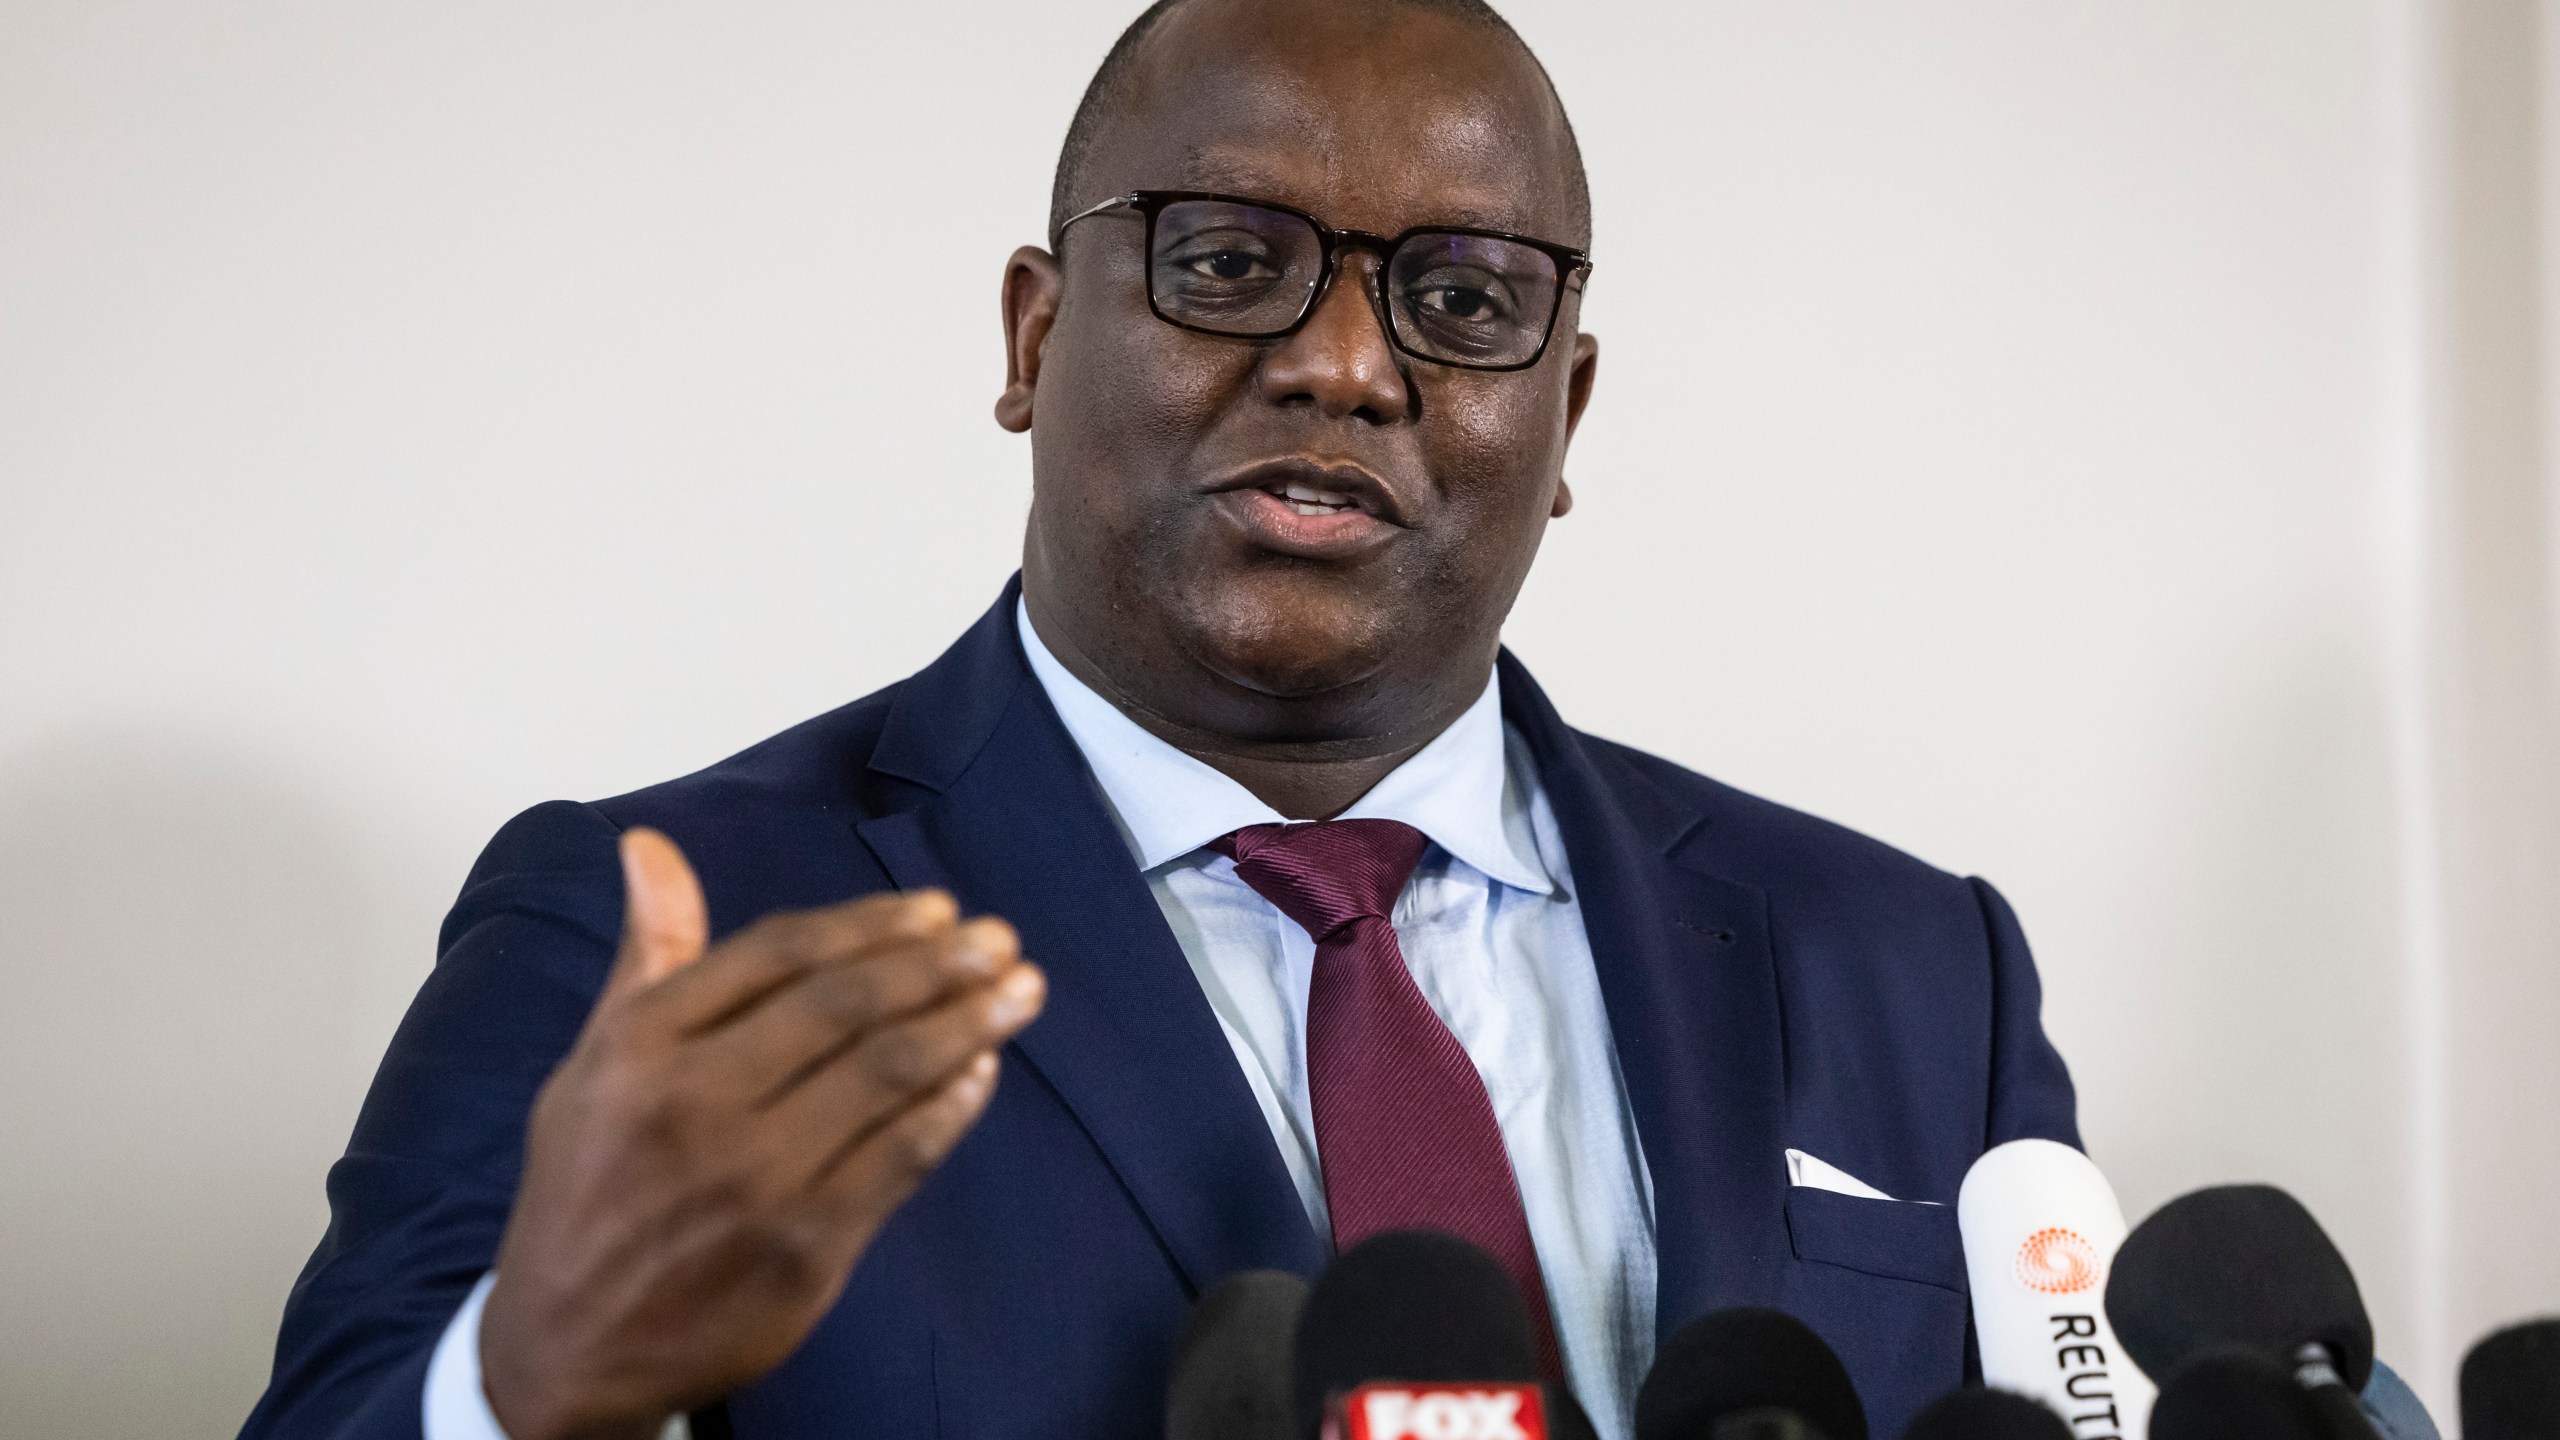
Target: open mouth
(1314,489)
(1310,500)
(1310,508)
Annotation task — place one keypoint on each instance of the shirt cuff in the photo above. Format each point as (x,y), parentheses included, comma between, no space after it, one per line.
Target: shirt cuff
(455,1405)
(456,1408)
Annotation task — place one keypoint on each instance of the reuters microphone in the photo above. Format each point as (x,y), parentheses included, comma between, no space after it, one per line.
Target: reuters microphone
(1397,1410)
(2041,1227)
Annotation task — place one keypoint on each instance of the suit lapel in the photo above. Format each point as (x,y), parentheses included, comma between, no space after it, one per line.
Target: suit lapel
(1688,976)
(1010,822)
(1128,1042)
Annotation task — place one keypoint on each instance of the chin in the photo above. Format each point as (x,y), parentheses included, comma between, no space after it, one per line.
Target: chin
(1296,637)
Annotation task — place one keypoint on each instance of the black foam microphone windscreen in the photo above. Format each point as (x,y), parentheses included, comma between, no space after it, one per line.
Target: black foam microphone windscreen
(1408,1305)
(2237,1265)
(1231,1372)
(2511,1384)
(1747,1370)
(1980,1413)
(1566,1419)
(2234,1394)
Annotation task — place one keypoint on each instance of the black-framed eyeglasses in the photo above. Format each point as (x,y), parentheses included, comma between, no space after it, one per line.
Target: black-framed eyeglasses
(1255,270)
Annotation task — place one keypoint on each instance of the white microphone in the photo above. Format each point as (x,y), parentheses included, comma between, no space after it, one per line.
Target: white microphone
(2041,1227)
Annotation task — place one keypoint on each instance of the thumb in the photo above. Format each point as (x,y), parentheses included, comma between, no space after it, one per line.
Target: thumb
(664,922)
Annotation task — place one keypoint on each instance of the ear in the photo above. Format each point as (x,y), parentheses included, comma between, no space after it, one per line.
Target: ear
(1577,387)
(1031,284)
(1577,398)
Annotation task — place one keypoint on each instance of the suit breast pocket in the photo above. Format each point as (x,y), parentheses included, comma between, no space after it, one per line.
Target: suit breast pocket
(1883,1282)
(1897,1239)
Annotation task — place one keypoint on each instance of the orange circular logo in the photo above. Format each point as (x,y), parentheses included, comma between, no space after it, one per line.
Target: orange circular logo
(2057,1262)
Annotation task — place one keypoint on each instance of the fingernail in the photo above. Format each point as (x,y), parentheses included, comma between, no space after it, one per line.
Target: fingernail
(981,949)
(1017,995)
(929,910)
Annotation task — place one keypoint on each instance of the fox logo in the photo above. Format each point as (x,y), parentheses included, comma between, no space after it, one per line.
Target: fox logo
(1444,1412)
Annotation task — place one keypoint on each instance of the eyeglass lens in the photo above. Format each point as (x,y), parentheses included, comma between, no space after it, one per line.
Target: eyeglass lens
(1242,270)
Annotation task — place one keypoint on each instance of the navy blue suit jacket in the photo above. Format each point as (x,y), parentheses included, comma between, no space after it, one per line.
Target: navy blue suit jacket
(1771,981)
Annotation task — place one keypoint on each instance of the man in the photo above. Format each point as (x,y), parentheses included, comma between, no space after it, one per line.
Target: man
(1299,369)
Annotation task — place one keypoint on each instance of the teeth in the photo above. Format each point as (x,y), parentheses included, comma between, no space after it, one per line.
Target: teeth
(1308,500)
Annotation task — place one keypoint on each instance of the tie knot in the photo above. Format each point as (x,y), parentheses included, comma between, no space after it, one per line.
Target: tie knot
(1330,873)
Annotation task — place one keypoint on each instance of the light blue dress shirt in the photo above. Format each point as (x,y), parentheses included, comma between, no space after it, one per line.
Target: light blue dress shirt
(1492,932)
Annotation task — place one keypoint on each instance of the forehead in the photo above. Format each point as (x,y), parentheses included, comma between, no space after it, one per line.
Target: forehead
(1374,117)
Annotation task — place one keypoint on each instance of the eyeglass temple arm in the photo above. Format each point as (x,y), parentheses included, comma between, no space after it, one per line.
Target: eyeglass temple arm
(1114,203)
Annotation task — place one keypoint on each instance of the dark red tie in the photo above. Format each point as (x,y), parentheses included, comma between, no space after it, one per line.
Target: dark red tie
(1404,1131)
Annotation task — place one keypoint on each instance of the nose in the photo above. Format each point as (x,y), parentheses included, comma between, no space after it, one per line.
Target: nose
(1340,360)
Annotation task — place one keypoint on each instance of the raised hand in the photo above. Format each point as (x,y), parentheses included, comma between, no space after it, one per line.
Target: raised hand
(726,1136)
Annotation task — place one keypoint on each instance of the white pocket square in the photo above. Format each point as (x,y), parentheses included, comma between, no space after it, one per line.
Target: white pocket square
(1818,1174)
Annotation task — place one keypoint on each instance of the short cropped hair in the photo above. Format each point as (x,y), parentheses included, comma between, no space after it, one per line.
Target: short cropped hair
(1108,95)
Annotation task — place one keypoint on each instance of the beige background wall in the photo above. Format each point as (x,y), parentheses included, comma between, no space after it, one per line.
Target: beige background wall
(2103,447)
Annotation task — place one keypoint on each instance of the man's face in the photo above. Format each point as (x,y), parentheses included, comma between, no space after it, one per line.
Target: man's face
(1163,548)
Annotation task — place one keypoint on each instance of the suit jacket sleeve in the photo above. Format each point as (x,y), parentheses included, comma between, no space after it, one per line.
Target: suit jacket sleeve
(2031,1095)
(419,1200)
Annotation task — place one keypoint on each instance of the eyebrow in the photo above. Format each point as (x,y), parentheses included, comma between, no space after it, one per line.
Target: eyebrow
(1227,174)
(1205,168)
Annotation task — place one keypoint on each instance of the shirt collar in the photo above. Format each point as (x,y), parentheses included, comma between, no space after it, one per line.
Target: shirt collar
(1459,789)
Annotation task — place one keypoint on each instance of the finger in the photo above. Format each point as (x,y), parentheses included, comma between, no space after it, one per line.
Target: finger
(665,925)
(758,961)
(802,1025)
(872,1175)
(895,1065)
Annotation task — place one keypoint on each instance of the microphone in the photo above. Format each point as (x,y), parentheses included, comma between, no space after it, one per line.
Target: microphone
(1413,1307)
(2511,1384)
(1448,1410)
(2234,1394)
(1231,1371)
(1566,1419)
(1979,1413)
(1748,1374)
(2041,1229)
(2246,1266)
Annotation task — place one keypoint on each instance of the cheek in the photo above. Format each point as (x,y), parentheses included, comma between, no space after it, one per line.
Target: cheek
(1496,448)
(1124,399)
